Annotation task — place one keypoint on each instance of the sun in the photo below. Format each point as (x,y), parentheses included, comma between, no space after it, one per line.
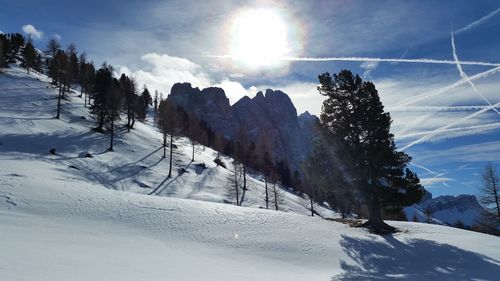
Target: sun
(259,38)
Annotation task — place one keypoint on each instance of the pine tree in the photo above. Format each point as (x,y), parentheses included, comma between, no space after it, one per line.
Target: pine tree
(143,103)
(113,104)
(102,87)
(29,56)
(127,87)
(354,116)
(2,50)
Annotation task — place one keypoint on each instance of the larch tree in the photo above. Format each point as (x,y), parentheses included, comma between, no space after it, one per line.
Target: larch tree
(489,195)
(169,121)
(354,117)
(265,162)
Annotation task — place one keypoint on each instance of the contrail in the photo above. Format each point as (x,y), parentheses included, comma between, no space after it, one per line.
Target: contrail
(466,77)
(438,130)
(424,168)
(477,22)
(368,59)
(447,88)
(432,108)
(489,126)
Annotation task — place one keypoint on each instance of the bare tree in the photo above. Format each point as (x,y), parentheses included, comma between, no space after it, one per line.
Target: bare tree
(278,197)
(490,194)
(169,122)
(233,189)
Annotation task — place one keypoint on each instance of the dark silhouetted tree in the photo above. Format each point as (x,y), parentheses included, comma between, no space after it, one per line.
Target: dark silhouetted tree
(489,196)
(354,117)
(102,88)
(29,56)
(169,122)
(113,105)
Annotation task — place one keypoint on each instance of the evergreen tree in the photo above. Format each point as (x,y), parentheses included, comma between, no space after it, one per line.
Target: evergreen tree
(353,116)
(73,65)
(2,50)
(113,104)
(127,87)
(143,103)
(29,56)
(102,87)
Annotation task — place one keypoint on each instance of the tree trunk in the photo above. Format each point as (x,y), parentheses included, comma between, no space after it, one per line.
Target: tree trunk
(128,120)
(244,185)
(375,222)
(493,180)
(171,149)
(267,193)
(275,197)
(59,102)
(312,206)
(192,157)
(164,145)
(236,185)
(112,135)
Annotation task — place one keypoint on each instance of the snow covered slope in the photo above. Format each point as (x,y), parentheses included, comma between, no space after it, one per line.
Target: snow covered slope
(447,210)
(29,129)
(59,222)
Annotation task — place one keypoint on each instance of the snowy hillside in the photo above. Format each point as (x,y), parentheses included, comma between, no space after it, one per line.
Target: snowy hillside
(67,217)
(27,115)
(447,210)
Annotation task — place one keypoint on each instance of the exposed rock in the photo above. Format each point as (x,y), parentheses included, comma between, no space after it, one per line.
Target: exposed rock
(271,113)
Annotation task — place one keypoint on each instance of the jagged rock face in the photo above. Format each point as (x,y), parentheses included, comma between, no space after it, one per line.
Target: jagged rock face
(210,105)
(272,113)
(461,203)
(448,210)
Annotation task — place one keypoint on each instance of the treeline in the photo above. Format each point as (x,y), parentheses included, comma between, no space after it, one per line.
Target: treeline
(14,47)
(108,97)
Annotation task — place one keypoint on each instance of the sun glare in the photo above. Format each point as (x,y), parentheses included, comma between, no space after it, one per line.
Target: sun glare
(259,38)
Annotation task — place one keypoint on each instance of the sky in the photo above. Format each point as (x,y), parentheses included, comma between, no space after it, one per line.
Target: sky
(434,63)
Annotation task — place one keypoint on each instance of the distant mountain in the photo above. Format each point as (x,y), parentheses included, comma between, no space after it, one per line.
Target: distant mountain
(447,209)
(271,113)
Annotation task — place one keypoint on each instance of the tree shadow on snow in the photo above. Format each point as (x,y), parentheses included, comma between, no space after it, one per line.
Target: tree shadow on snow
(415,260)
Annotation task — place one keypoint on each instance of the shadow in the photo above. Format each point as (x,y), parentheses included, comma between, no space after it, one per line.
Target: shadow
(160,188)
(140,160)
(417,259)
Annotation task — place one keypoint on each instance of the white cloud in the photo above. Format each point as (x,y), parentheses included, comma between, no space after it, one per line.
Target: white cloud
(234,90)
(369,66)
(430,181)
(162,71)
(32,31)
(57,36)
(478,152)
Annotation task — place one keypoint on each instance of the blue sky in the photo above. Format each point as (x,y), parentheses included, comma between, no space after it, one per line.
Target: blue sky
(442,120)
